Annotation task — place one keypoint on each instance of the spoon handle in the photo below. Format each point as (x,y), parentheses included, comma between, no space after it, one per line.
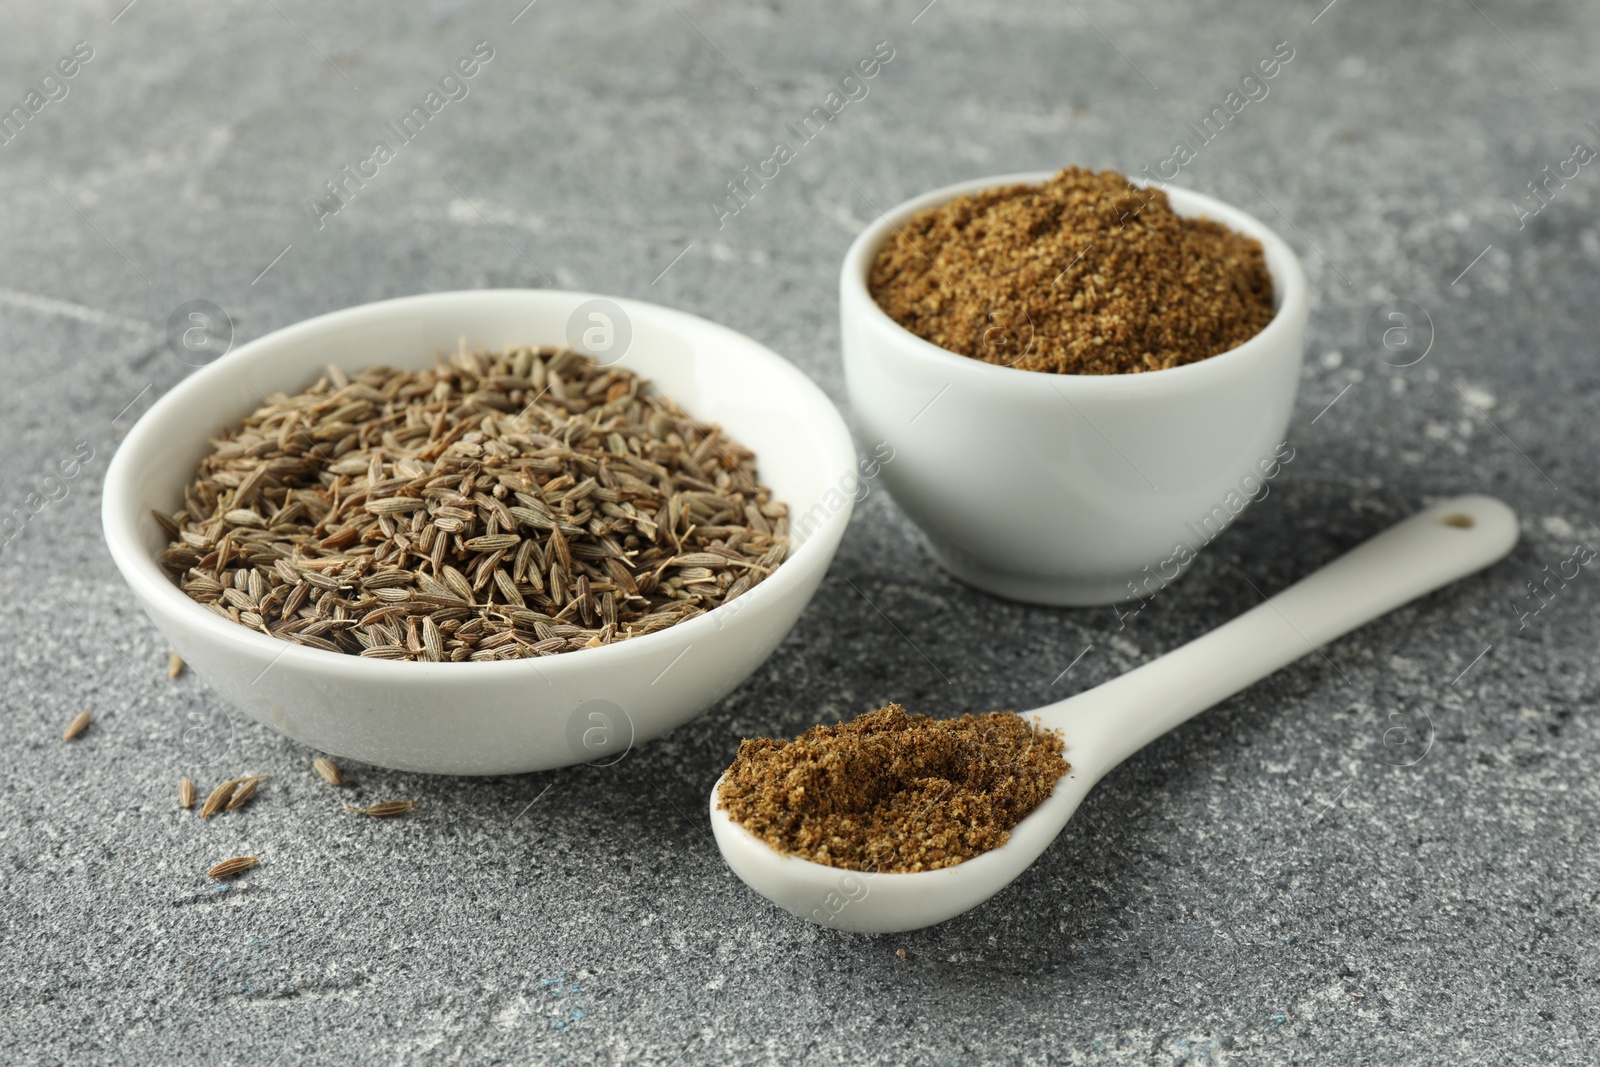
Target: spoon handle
(1432,548)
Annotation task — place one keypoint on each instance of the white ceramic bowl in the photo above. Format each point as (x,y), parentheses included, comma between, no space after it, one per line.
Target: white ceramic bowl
(1071,489)
(505,716)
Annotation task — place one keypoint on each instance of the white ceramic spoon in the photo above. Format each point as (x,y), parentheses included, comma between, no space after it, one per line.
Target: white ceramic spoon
(1107,724)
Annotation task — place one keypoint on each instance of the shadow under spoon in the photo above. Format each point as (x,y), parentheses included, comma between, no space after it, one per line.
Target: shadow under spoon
(1105,725)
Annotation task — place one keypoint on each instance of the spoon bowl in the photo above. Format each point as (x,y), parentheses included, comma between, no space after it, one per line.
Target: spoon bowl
(1107,724)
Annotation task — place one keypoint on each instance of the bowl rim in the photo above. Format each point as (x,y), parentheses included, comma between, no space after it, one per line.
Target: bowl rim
(1289,285)
(157,592)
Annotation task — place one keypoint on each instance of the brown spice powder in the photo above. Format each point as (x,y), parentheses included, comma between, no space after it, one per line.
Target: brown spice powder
(1085,274)
(893,791)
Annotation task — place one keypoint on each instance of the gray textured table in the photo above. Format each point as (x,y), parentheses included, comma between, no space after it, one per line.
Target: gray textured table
(1272,883)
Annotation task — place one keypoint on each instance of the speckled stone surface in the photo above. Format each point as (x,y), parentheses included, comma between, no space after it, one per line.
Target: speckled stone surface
(1272,883)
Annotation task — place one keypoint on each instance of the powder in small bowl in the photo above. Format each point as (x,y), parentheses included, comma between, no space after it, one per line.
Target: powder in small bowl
(893,791)
(1084,274)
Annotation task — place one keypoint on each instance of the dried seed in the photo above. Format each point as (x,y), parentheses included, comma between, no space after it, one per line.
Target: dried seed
(394,505)
(229,868)
(329,770)
(700,559)
(218,798)
(245,792)
(76,727)
(186,794)
(508,589)
(457,583)
(247,488)
(492,543)
(295,600)
(385,810)
(174,665)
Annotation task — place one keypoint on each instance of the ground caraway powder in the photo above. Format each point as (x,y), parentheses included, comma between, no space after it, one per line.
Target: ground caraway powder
(893,791)
(1084,274)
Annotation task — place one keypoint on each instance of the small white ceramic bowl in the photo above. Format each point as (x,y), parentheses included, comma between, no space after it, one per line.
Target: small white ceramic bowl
(505,716)
(1071,489)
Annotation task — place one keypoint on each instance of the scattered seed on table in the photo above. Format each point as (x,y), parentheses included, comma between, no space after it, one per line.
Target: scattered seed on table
(329,770)
(385,810)
(77,727)
(245,792)
(229,868)
(218,799)
(174,665)
(186,794)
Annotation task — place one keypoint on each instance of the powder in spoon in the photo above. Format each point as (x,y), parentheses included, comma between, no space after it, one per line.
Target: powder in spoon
(1084,274)
(893,791)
